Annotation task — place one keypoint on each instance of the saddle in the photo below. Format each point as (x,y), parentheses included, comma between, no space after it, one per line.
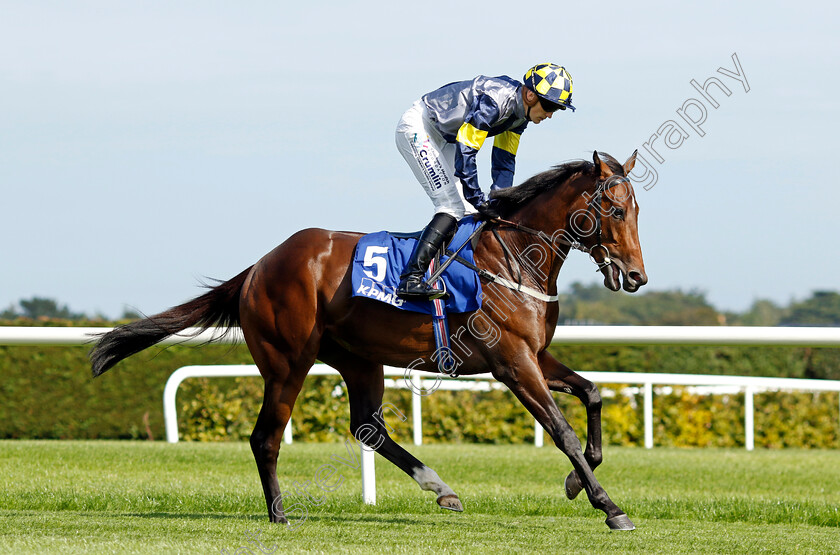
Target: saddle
(381,257)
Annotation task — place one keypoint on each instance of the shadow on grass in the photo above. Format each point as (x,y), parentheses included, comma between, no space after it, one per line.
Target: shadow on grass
(195,516)
(366,519)
(338,518)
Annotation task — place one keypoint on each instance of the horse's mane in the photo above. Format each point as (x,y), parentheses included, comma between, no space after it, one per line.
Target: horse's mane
(512,198)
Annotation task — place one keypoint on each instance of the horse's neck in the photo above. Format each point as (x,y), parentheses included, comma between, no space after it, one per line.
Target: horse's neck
(542,256)
(537,257)
(549,211)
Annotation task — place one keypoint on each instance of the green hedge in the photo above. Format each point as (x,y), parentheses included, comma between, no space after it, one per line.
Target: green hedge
(47,392)
(681,418)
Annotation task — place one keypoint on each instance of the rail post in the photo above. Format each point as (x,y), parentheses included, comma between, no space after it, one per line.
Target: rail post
(416,409)
(749,418)
(649,414)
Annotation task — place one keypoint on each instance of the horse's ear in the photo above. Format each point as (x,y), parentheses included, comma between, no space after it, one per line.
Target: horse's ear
(628,165)
(602,167)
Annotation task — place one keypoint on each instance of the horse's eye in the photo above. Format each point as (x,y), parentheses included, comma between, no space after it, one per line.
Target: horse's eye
(618,213)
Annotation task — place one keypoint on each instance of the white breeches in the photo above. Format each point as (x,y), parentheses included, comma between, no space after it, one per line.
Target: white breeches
(432,160)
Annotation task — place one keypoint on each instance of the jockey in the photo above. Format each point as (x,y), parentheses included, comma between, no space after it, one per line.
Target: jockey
(440,135)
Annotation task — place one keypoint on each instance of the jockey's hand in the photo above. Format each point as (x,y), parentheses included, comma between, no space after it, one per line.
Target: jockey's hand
(488,209)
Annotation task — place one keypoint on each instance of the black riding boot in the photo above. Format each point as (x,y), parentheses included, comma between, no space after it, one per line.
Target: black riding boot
(412,287)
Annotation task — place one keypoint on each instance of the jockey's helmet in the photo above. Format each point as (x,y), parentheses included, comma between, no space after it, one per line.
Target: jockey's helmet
(552,83)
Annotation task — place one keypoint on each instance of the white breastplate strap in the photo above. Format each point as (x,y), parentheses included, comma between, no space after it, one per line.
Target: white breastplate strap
(521,288)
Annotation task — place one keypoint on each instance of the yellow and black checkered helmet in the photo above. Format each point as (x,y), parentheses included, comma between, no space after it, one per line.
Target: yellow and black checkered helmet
(551,82)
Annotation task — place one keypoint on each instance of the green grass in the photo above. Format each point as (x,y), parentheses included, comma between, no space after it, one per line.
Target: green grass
(143,497)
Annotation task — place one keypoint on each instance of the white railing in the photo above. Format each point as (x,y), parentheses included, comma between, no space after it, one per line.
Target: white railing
(697,335)
(19,335)
(396,378)
(567,335)
(427,382)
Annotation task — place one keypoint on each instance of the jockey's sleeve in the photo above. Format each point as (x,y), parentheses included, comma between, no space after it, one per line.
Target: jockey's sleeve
(505,146)
(482,114)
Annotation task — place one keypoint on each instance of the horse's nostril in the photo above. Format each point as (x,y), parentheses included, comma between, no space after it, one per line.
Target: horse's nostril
(635,276)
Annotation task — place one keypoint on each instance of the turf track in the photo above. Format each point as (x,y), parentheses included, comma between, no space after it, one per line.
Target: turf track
(142,497)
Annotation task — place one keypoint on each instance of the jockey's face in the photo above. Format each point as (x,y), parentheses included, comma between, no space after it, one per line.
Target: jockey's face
(533,108)
(537,114)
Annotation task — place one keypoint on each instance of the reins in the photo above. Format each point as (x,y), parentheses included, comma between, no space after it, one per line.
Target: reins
(501,223)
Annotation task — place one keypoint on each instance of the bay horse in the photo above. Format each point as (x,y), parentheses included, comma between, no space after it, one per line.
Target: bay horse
(295,305)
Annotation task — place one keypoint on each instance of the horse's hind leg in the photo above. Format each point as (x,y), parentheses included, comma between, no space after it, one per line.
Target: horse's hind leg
(561,378)
(283,382)
(365,387)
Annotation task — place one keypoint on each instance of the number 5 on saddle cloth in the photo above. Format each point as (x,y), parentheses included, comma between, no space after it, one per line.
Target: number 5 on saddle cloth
(380,259)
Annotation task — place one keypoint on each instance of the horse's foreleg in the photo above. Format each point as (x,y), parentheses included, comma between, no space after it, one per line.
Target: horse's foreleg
(365,388)
(530,387)
(561,378)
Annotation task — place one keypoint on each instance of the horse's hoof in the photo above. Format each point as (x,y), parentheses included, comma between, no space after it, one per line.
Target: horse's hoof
(573,485)
(620,522)
(450,502)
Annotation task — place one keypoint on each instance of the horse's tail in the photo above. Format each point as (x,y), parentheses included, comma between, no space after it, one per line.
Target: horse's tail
(219,306)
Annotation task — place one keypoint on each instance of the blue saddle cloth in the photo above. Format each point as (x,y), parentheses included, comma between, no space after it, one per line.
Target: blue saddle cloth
(381,257)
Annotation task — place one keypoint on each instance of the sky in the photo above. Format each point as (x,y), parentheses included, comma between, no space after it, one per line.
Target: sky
(147,146)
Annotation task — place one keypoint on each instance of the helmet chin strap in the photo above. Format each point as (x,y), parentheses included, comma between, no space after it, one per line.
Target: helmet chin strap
(528,85)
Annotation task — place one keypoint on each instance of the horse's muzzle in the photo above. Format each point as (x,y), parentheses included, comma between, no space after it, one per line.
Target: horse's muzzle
(633,280)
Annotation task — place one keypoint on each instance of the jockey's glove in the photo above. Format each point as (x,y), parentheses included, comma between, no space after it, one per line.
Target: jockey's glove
(489,209)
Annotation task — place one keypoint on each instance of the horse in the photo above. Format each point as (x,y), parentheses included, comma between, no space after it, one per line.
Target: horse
(295,305)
